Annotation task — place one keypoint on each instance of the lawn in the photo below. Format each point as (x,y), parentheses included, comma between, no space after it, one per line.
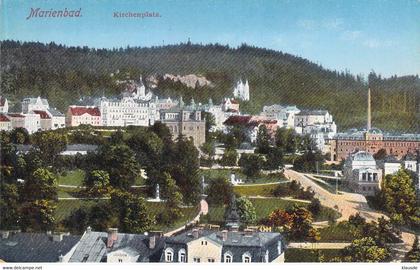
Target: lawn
(188,214)
(310,255)
(264,207)
(73,178)
(256,190)
(65,207)
(67,192)
(339,232)
(225,173)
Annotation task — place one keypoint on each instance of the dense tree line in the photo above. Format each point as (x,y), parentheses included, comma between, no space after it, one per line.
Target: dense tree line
(65,74)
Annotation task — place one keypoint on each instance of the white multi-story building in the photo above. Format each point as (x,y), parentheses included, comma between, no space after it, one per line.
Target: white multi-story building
(285,115)
(127,112)
(362,174)
(29,121)
(33,104)
(4,105)
(241,90)
(318,124)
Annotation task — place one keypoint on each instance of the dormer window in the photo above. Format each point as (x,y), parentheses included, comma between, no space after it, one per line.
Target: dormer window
(246,257)
(227,257)
(182,256)
(169,255)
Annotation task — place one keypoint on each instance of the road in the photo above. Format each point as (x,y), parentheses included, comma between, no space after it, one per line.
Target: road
(350,204)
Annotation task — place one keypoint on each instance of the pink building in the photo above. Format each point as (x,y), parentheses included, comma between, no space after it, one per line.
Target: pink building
(83,115)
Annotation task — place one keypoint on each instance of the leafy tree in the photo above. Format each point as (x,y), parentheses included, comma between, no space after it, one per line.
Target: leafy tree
(37,215)
(209,149)
(210,122)
(132,212)
(399,196)
(50,144)
(219,191)
(41,185)
(78,220)
(97,182)
(263,140)
(365,250)
(229,158)
(274,159)
(309,161)
(121,164)
(280,217)
(315,206)
(285,139)
(102,216)
(117,137)
(414,254)
(246,211)
(171,192)
(251,164)
(9,206)
(20,136)
(381,154)
(162,131)
(301,228)
(184,167)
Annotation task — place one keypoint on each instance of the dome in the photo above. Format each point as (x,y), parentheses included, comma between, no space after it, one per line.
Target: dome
(375,131)
(363,156)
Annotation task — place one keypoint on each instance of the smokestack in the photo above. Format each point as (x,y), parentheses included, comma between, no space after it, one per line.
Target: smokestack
(369,116)
(112,237)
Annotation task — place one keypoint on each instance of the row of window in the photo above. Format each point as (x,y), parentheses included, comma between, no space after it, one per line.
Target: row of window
(227,257)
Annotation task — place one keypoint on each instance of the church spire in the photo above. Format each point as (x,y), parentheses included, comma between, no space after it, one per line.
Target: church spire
(369,116)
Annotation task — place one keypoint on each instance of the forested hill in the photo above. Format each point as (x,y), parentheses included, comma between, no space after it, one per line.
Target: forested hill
(65,74)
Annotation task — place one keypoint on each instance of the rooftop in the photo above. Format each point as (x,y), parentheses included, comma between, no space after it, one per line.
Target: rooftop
(35,247)
(80,110)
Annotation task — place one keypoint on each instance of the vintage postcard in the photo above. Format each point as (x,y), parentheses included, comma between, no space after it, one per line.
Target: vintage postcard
(176,131)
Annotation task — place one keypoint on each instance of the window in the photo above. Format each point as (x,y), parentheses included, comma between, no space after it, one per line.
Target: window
(228,257)
(211,260)
(197,259)
(204,243)
(246,257)
(181,256)
(120,260)
(169,255)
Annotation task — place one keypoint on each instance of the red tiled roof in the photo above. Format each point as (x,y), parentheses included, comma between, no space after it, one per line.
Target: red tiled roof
(42,114)
(3,118)
(238,120)
(77,111)
(248,120)
(16,115)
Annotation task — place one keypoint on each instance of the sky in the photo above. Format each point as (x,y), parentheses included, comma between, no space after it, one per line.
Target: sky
(354,35)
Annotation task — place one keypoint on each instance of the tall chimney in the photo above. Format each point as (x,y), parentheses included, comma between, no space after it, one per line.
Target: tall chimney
(369,116)
(195,233)
(112,237)
(152,241)
(224,235)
